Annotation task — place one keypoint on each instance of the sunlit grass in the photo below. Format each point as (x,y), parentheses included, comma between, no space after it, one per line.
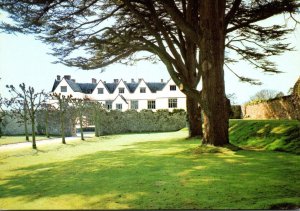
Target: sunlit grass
(19,139)
(146,171)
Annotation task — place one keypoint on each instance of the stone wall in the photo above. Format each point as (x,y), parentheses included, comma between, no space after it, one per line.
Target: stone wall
(287,107)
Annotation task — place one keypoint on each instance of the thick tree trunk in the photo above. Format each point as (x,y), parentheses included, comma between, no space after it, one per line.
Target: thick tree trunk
(212,60)
(194,120)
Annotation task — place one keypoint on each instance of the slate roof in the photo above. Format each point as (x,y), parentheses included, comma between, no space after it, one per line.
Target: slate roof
(88,88)
(156,86)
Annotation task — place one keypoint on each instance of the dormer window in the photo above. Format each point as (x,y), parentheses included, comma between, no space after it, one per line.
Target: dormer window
(142,90)
(172,88)
(63,89)
(121,90)
(100,90)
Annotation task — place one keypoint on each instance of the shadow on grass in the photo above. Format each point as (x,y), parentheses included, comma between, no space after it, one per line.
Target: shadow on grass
(161,175)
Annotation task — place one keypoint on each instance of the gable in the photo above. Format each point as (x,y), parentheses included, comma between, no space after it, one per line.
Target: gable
(142,84)
(121,84)
(70,86)
(120,99)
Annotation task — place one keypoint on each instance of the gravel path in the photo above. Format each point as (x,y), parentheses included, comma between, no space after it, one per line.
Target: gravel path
(43,142)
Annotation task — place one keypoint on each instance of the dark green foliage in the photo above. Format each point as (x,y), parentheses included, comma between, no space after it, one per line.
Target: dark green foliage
(131,121)
(235,112)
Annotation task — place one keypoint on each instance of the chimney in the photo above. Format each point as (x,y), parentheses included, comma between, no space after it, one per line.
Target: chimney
(67,77)
(104,82)
(140,79)
(116,81)
(58,77)
(161,80)
(94,81)
(73,80)
(132,80)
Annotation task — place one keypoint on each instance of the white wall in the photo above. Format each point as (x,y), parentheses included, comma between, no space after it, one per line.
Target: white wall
(160,97)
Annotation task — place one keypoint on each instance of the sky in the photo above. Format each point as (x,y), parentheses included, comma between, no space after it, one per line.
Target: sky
(25,59)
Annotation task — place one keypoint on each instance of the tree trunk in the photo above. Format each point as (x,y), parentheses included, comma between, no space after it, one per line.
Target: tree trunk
(33,133)
(212,60)
(26,129)
(194,120)
(47,124)
(96,124)
(81,129)
(62,122)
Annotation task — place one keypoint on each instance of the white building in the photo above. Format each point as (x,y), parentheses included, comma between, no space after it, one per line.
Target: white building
(123,95)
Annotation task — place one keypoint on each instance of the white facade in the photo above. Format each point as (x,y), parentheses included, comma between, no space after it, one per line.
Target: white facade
(123,95)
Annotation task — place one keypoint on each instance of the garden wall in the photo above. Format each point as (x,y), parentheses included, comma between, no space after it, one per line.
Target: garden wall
(287,107)
(131,121)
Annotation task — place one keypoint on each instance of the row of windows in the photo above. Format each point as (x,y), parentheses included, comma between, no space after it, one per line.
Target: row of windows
(151,104)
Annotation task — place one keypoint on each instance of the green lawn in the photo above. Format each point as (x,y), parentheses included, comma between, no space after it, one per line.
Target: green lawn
(19,139)
(146,171)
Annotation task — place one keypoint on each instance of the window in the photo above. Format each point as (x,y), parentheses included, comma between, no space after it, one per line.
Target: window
(172,103)
(121,90)
(63,89)
(108,104)
(142,90)
(134,104)
(151,104)
(119,106)
(100,90)
(172,88)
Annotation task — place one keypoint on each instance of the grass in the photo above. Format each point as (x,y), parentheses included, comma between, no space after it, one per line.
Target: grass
(275,135)
(19,139)
(147,171)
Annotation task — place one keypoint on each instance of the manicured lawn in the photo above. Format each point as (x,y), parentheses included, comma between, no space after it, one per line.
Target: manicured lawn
(18,139)
(146,171)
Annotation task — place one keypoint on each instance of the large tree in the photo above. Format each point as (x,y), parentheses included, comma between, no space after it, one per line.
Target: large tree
(188,36)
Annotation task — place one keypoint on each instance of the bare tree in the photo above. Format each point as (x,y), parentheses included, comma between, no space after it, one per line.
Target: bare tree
(81,106)
(63,105)
(264,94)
(19,106)
(31,102)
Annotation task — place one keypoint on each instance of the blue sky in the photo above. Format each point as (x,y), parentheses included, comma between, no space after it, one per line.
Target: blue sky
(24,59)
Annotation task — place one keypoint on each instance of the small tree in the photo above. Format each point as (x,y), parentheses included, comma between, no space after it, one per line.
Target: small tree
(32,101)
(63,105)
(80,107)
(3,114)
(95,109)
(265,94)
(18,104)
